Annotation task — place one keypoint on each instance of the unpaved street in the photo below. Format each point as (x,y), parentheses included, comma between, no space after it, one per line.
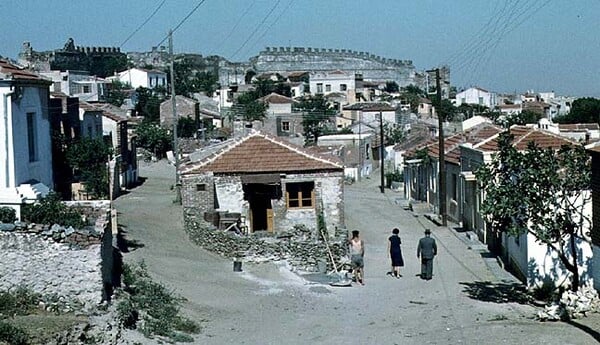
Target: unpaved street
(268,304)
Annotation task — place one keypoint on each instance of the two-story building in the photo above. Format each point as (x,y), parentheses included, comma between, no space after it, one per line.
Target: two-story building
(140,77)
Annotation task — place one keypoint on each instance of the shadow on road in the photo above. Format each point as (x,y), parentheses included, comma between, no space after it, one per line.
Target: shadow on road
(594,334)
(124,244)
(497,292)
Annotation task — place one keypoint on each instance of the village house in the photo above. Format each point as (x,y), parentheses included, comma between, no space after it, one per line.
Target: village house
(90,119)
(78,84)
(25,137)
(476,96)
(357,154)
(370,113)
(140,77)
(529,260)
(595,231)
(326,82)
(266,183)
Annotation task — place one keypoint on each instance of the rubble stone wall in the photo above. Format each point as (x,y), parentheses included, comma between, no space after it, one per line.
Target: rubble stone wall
(74,265)
(195,200)
(596,266)
(229,193)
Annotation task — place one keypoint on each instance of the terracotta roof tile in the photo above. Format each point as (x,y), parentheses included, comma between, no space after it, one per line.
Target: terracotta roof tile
(523,136)
(276,98)
(10,71)
(261,153)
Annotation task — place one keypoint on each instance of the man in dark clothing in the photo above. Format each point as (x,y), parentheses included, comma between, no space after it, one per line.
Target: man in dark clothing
(426,250)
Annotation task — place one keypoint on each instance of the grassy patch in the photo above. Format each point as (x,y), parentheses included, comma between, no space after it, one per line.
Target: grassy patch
(20,301)
(151,307)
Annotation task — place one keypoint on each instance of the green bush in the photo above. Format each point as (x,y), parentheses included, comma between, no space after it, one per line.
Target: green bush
(51,210)
(20,301)
(12,335)
(7,215)
(158,305)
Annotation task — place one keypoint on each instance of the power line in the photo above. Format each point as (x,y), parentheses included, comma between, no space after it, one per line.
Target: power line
(273,23)
(144,23)
(233,29)
(182,21)
(256,29)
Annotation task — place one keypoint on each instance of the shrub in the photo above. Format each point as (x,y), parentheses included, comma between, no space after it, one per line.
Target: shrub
(7,215)
(20,301)
(51,210)
(12,335)
(158,307)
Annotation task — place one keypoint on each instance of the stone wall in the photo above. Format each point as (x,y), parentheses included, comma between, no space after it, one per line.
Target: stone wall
(196,201)
(71,265)
(372,67)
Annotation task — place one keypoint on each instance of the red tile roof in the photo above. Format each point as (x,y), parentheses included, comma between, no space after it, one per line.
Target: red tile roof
(523,136)
(261,153)
(578,126)
(10,71)
(276,98)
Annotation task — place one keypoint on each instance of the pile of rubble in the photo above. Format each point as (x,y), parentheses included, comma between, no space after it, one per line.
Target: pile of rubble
(572,305)
(302,247)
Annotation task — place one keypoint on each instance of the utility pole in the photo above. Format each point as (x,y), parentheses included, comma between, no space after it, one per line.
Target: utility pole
(442,159)
(381,150)
(175,120)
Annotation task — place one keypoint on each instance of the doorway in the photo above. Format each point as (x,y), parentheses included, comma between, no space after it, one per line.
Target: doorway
(260,198)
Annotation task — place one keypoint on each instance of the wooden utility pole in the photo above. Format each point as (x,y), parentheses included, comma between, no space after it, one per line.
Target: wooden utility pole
(381,151)
(442,159)
(175,120)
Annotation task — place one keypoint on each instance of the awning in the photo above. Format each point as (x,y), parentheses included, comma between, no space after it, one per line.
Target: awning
(261,179)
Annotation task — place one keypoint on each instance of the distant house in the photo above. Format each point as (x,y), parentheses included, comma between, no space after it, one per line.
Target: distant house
(476,96)
(370,112)
(139,77)
(78,84)
(277,104)
(90,119)
(268,184)
(25,137)
(326,82)
(186,107)
(358,152)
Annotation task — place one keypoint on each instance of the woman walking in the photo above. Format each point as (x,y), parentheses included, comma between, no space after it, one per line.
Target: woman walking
(395,253)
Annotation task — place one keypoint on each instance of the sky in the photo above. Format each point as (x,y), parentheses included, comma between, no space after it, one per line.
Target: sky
(498,45)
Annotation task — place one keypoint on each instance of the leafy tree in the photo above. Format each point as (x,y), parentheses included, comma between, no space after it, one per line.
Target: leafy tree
(186,127)
(540,192)
(51,210)
(154,138)
(89,158)
(446,110)
(148,104)
(413,94)
(249,107)
(316,117)
(393,134)
(391,87)
(116,93)
(583,110)
(206,82)
(7,215)
(524,117)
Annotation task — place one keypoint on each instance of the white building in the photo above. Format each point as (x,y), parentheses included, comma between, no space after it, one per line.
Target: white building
(90,119)
(358,155)
(25,141)
(139,77)
(476,96)
(277,104)
(324,83)
(77,84)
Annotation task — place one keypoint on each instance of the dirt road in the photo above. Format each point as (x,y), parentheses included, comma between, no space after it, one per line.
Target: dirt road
(268,304)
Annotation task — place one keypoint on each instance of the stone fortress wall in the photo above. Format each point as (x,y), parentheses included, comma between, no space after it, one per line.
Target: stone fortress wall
(371,66)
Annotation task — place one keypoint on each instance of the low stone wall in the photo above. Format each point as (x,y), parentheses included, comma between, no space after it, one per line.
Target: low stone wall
(302,247)
(63,264)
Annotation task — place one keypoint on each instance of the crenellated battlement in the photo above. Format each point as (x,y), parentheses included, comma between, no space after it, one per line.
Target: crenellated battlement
(329,52)
(102,50)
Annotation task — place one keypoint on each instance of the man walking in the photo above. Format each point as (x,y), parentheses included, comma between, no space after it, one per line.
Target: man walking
(427,250)
(357,252)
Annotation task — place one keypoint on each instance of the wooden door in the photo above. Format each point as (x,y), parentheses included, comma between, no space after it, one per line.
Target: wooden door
(270,220)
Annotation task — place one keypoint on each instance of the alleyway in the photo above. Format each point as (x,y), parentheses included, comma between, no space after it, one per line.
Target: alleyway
(267,304)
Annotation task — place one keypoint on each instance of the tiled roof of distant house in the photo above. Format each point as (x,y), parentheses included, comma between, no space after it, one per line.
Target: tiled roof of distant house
(370,106)
(108,110)
(276,98)
(523,136)
(578,127)
(261,153)
(11,71)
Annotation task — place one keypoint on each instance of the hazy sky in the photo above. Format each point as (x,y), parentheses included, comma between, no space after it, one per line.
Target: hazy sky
(500,45)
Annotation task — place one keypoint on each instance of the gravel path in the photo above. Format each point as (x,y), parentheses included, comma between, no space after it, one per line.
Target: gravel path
(268,304)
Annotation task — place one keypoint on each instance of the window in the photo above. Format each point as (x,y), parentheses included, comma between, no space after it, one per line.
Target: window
(343,87)
(201,187)
(31,137)
(300,194)
(319,87)
(285,126)
(480,100)
(86,89)
(327,88)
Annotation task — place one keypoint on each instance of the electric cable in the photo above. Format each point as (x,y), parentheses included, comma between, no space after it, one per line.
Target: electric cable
(255,30)
(182,21)
(144,23)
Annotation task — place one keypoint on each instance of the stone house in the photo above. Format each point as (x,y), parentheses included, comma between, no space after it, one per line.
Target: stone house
(357,154)
(90,119)
(326,82)
(370,112)
(25,137)
(529,260)
(266,183)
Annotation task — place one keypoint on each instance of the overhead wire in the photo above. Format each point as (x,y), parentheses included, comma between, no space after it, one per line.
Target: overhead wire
(233,28)
(268,29)
(144,23)
(262,22)
(182,21)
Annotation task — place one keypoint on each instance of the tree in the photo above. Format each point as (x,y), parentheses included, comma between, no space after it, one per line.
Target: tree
(446,110)
(583,110)
(523,118)
(316,114)
(154,138)
(186,127)
(393,134)
(116,93)
(148,104)
(391,87)
(541,192)
(249,107)
(413,94)
(89,158)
